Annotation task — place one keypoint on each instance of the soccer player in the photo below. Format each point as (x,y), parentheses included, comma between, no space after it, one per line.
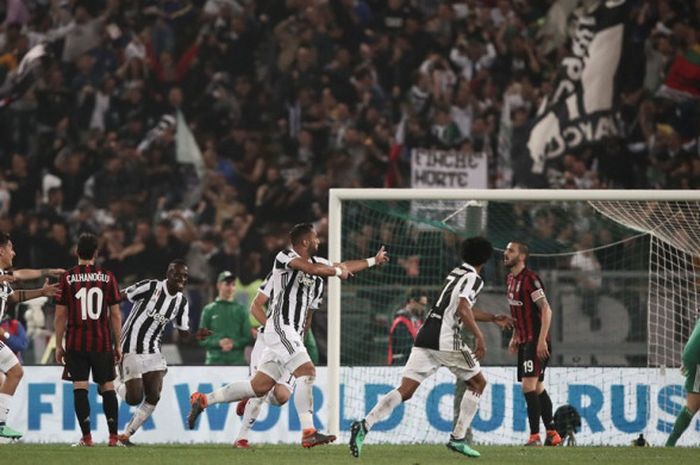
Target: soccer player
(249,409)
(9,364)
(439,344)
(533,317)
(156,303)
(295,288)
(87,313)
(691,370)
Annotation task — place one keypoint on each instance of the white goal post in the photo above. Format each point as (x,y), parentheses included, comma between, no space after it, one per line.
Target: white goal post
(338,196)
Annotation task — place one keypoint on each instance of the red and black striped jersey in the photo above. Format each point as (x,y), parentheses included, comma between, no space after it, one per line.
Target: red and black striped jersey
(523,290)
(88,291)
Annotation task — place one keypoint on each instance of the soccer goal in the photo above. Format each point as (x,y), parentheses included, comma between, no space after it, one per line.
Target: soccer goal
(621,273)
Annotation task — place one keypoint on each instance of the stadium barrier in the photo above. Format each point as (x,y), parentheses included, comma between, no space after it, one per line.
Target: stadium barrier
(616,404)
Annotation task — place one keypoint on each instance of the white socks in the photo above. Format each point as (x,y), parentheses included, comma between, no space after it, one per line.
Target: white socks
(467,410)
(383,409)
(232,392)
(304,401)
(252,410)
(140,416)
(5,400)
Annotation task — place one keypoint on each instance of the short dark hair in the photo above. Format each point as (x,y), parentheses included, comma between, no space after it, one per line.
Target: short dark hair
(522,248)
(299,232)
(4,239)
(476,250)
(87,246)
(176,262)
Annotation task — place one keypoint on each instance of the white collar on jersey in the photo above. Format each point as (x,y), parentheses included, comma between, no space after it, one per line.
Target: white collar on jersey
(467,265)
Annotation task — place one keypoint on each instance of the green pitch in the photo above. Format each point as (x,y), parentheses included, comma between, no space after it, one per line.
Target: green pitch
(19,454)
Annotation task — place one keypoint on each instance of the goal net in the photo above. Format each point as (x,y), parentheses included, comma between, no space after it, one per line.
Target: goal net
(620,276)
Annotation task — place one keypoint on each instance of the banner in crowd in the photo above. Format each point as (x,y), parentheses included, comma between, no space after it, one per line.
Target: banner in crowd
(616,404)
(448,169)
(581,109)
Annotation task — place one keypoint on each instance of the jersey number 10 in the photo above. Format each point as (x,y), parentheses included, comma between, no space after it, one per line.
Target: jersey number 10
(90,302)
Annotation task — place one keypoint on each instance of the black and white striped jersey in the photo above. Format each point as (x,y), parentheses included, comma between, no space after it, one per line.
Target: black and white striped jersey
(5,292)
(292,293)
(153,308)
(442,327)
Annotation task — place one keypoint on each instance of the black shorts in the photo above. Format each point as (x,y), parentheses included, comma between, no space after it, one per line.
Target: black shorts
(529,364)
(79,365)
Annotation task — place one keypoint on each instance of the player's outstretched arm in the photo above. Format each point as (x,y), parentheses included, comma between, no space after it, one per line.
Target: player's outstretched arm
(501,320)
(25,274)
(47,290)
(355,266)
(319,269)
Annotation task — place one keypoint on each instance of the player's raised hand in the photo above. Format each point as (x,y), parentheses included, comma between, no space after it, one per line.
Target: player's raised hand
(7,278)
(382,256)
(49,290)
(345,272)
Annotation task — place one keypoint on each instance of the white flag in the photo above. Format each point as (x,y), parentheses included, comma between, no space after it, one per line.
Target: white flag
(187,150)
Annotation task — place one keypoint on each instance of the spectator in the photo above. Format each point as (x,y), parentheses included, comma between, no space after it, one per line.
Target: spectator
(229,323)
(407,321)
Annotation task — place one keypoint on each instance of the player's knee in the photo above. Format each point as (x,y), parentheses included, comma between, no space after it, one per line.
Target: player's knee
(15,373)
(406,394)
(152,398)
(133,398)
(281,395)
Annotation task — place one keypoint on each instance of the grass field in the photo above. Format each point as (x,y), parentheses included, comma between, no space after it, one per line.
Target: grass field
(19,454)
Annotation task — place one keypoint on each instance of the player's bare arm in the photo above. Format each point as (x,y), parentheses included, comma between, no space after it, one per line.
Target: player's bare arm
(513,344)
(60,325)
(200,334)
(257,308)
(26,274)
(21,295)
(319,269)
(546,316)
(355,266)
(466,314)
(115,319)
(501,320)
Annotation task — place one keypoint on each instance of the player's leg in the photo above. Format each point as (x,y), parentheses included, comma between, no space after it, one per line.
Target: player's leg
(130,378)
(692,405)
(464,366)
(152,387)
(528,374)
(10,366)
(77,370)
(278,395)
(103,374)
(419,366)
(256,387)
(546,407)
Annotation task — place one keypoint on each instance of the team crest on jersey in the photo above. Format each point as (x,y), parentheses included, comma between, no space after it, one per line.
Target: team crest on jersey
(306,280)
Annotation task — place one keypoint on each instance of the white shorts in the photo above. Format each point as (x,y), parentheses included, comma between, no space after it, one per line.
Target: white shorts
(284,352)
(423,363)
(256,356)
(135,365)
(8,359)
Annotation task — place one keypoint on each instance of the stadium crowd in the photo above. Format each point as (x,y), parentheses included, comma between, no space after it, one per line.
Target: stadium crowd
(286,99)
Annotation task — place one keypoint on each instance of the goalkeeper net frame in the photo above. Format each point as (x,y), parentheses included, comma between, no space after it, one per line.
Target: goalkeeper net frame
(671,218)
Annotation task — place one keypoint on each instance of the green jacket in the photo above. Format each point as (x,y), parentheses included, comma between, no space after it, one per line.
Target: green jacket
(226,320)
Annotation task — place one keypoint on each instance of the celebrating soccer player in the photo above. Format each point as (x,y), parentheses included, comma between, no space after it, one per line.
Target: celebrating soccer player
(533,317)
(88,301)
(691,370)
(156,303)
(9,364)
(439,344)
(295,289)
